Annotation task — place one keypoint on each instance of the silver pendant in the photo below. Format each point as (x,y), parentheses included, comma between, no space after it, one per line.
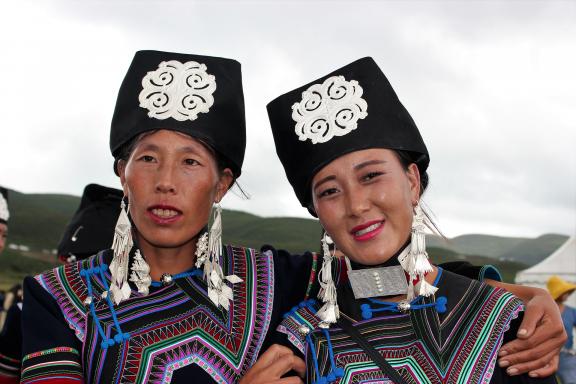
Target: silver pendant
(375,282)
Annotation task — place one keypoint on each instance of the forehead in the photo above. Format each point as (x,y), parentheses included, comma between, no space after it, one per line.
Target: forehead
(167,139)
(3,228)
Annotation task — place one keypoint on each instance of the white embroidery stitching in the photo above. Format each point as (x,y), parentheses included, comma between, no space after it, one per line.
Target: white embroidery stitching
(177,90)
(4,213)
(330,109)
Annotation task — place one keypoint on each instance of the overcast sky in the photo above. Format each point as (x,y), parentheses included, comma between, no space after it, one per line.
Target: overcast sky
(491,85)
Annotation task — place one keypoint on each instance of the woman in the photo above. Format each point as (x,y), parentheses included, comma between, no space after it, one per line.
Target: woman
(167,303)
(560,291)
(357,161)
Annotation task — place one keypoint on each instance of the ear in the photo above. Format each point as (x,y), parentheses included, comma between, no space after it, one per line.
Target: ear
(224,183)
(414,180)
(121,167)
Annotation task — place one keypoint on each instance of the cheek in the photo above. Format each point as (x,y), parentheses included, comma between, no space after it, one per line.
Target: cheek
(329,214)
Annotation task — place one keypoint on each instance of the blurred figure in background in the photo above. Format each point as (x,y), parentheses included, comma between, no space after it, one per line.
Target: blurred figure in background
(4,216)
(11,337)
(92,227)
(11,307)
(560,291)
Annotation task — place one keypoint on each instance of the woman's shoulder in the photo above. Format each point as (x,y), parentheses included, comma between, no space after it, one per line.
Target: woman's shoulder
(478,302)
(67,273)
(65,286)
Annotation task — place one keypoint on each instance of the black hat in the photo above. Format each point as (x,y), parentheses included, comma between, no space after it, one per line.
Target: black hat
(4,212)
(350,109)
(92,226)
(197,95)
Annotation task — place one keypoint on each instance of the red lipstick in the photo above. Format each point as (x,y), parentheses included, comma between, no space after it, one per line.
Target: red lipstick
(368,230)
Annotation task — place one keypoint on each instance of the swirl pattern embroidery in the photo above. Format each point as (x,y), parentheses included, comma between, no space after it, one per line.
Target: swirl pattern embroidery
(4,214)
(180,91)
(330,109)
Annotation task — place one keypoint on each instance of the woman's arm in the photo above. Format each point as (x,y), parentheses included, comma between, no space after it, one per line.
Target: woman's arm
(541,334)
(50,350)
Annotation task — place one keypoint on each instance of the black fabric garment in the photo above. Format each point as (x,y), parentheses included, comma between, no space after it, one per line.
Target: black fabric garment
(11,343)
(55,331)
(456,291)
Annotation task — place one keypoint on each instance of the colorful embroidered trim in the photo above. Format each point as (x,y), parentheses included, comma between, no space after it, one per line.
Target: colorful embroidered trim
(61,363)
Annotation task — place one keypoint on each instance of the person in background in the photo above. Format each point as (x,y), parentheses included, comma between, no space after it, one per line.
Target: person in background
(560,290)
(4,216)
(91,229)
(10,351)
(11,337)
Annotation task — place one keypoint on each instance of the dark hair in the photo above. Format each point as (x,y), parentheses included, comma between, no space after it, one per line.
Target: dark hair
(406,158)
(222,163)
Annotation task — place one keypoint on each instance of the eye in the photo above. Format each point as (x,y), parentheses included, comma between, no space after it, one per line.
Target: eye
(371,175)
(191,162)
(146,158)
(327,192)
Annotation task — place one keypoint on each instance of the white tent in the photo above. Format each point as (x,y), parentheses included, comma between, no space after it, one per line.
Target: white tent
(561,263)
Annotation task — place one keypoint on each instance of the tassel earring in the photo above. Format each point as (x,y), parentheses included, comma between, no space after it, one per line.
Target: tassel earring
(329,313)
(121,245)
(141,273)
(208,252)
(415,262)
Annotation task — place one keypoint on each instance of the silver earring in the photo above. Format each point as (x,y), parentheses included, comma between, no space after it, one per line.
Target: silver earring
(415,262)
(121,245)
(140,275)
(208,252)
(329,313)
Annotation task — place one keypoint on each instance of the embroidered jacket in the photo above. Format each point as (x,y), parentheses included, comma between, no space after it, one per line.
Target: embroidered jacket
(173,334)
(453,337)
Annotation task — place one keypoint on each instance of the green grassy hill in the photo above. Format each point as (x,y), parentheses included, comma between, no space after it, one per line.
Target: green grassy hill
(38,220)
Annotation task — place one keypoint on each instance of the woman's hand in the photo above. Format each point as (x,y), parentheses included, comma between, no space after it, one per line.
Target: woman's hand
(540,336)
(273,364)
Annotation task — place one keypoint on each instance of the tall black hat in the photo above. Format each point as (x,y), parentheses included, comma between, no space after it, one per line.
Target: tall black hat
(92,226)
(350,109)
(197,95)
(4,212)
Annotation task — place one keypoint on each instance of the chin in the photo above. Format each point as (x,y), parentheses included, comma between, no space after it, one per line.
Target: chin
(372,255)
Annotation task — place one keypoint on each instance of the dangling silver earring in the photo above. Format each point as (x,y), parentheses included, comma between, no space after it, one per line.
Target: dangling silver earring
(208,252)
(121,245)
(140,275)
(415,262)
(329,313)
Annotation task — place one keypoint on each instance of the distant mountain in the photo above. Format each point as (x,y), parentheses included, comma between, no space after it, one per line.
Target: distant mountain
(526,251)
(533,251)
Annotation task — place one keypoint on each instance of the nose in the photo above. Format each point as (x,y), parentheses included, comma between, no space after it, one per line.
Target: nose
(165,179)
(357,201)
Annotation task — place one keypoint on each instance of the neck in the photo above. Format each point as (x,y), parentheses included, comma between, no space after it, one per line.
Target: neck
(168,260)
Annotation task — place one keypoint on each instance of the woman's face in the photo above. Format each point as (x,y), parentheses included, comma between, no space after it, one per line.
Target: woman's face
(171,181)
(365,201)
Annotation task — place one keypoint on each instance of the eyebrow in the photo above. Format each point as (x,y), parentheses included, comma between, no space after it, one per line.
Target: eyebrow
(368,163)
(324,180)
